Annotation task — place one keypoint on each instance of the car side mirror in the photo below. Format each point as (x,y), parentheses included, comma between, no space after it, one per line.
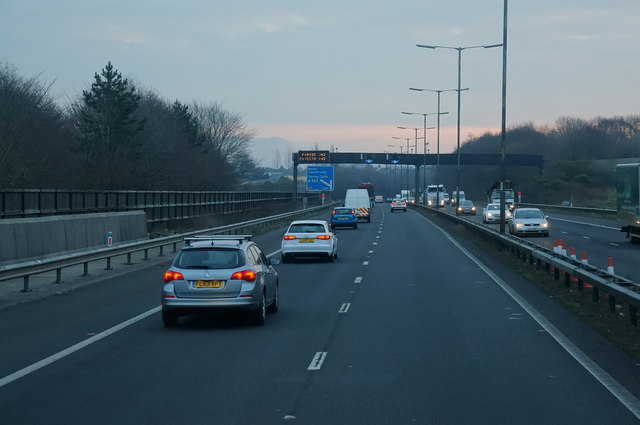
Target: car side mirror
(274,261)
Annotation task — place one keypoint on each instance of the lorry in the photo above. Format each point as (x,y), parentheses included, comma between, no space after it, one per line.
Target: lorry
(628,199)
(509,198)
(370,190)
(358,200)
(437,195)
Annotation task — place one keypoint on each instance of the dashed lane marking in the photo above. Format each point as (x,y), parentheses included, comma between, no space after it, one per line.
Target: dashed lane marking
(317,361)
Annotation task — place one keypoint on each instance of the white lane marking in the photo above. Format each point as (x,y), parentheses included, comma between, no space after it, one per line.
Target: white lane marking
(95,338)
(614,244)
(586,224)
(377,237)
(375,243)
(344,308)
(64,353)
(317,361)
(365,263)
(586,237)
(563,232)
(613,386)
(358,279)
(370,251)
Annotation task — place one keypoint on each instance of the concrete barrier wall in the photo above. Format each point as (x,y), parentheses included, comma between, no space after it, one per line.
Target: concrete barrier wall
(39,237)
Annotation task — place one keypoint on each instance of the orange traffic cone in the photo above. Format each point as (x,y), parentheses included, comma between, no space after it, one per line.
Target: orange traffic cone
(572,253)
(583,258)
(564,248)
(610,266)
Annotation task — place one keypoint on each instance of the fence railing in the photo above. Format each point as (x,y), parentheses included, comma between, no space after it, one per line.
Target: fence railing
(160,205)
(27,269)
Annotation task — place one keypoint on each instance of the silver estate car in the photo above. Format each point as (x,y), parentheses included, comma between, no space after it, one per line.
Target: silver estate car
(528,221)
(220,273)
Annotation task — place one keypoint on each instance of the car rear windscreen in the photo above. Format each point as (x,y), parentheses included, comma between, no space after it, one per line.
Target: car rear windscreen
(209,259)
(306,228)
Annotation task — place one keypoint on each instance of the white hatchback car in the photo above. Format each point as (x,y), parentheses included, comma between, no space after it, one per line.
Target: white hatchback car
(309,238)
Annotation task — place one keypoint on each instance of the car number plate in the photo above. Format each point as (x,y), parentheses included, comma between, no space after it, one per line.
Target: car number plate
(306,240)
(209,283)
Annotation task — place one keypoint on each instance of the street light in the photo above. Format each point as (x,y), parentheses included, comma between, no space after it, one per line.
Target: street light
(424,179)
(395,184)
(459,49)
(439,113)
(400,138)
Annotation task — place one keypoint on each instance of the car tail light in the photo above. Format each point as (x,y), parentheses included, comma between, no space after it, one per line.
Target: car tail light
(323,237)
(169,276)
(246,275)
(334,212)
(289,237)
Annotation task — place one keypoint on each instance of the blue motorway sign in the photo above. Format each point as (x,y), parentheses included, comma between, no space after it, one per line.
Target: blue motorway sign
(319,178)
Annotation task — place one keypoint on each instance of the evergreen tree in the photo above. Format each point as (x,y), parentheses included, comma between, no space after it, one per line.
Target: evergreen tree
(106,126)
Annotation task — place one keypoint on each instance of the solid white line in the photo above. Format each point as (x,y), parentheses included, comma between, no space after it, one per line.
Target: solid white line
(586,224)
(358,279)
(613,386)
(317,361)
(64,353)
(344,308)
(95,338)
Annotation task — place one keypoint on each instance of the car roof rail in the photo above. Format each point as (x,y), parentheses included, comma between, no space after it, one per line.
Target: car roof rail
(219,238)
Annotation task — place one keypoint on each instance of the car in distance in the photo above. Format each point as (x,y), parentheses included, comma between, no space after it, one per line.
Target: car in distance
(378,199)
(309,238)
(399,204)
(218,273)
(466,207)
(491,213)
(343,217)
(528,221)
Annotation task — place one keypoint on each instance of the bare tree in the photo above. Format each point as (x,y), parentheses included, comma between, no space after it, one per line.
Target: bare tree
(223,131)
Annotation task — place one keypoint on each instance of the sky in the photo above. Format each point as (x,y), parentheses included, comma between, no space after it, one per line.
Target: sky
(336,73)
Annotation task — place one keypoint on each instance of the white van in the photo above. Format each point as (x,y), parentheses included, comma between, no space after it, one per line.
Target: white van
(358,200)
(454,196)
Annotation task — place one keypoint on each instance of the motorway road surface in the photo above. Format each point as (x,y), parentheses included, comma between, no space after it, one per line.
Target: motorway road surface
(406,327)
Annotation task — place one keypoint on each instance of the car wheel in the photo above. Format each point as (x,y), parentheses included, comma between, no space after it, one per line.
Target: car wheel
(355,226)
(169,318)
(546,235)
(275,305)
(260,315)
(330,258)
(285,258)
(335,256)
(368,219)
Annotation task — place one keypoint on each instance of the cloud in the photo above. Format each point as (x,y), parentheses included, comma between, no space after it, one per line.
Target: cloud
(112,32)
(272,23)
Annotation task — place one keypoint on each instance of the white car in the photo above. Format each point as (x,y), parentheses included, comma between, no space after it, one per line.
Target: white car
(309,238)
(491,213)
(528,221)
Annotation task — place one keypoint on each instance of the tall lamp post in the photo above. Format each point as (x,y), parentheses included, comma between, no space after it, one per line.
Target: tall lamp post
(503,135)
(424,179)
(401,138)
(459,49)
(439,113)
(394,179)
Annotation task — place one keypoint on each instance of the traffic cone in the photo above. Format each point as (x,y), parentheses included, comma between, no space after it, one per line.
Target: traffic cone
(572,253)
(564,248)
(555,245)
(610,266)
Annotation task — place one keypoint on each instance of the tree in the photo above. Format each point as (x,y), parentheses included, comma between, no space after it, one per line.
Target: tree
(106,126)
(33,135)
